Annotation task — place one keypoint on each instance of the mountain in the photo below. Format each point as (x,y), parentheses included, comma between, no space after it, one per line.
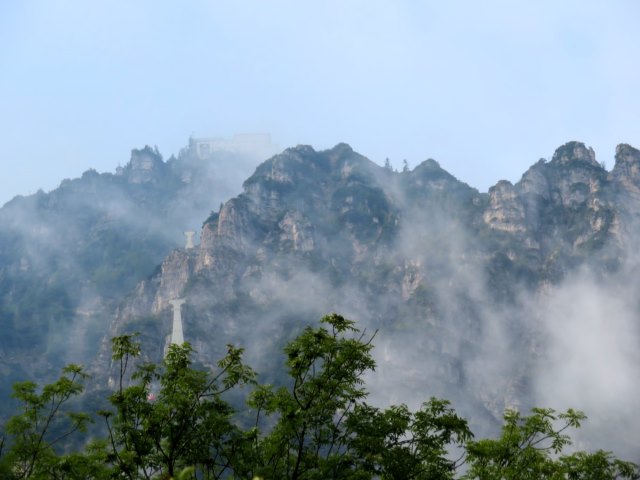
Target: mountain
(68,257)
(460,285)
(525,295)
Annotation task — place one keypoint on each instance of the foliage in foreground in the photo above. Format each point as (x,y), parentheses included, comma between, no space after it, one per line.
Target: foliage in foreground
(172,421)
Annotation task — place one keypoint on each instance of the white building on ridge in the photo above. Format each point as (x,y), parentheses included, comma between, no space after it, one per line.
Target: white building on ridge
(258,144)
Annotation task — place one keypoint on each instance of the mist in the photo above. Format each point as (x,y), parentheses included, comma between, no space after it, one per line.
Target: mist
(69,257)
(456,310)
(448,324)
(590,359)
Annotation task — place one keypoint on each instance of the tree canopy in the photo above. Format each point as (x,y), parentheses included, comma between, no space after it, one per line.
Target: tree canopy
(175,420)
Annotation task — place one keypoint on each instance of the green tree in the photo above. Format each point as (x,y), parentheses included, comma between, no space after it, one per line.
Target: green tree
(325,430)
(39,431)
(398,444)
(172,421)
(530,447)
(184,426)
(310,438)
(124,348)
(599,465)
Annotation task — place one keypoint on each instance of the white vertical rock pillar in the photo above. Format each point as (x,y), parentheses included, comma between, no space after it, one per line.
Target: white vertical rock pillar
(189,234)
(177,336)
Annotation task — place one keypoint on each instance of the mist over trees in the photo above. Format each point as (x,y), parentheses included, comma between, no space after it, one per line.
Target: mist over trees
(174,421)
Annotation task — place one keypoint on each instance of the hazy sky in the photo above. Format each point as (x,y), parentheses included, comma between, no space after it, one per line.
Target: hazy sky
(486,88)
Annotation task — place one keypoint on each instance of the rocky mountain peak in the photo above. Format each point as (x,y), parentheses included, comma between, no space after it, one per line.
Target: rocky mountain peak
(626,150)
(534,182)
(343,149)
(430,175)
(503,187)
(300,150)
(505,211)
(429,166)
(627,167)
(430,163)
(572,152)
(145,166)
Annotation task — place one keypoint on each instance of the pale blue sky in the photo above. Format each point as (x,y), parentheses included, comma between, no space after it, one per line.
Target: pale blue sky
(486,88)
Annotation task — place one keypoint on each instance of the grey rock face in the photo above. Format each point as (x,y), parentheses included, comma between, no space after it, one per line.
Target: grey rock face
(145,166)
(574,153)
(506,210)
(175,272)
(626,171)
